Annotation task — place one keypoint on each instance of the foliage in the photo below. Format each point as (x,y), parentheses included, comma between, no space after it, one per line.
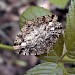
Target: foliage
(48,69)
(50,56)
(32,13)
(69,32)
(59,3)
(55,55)
(58,47)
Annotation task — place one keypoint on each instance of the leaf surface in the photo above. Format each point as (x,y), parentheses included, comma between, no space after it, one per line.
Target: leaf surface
(58,47)
(70,31)
(59,3)
(48,69)
(32,13)
(51,56)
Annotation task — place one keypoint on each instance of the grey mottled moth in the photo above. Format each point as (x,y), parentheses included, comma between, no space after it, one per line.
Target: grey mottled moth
(38,35)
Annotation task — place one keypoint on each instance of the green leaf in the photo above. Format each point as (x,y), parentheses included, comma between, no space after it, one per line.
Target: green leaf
(49,57)
(70,28)
(71,54)
(59,3)
(32,13)
(58,47)
(47,69)
(67,59)
(70,31)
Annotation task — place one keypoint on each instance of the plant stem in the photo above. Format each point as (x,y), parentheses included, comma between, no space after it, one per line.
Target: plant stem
(2,46)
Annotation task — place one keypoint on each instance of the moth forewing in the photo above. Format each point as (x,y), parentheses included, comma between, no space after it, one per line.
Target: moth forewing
(38,36)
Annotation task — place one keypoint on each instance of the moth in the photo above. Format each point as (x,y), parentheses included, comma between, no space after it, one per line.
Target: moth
(38,36)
